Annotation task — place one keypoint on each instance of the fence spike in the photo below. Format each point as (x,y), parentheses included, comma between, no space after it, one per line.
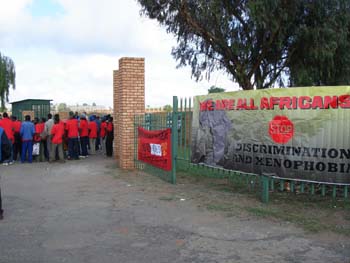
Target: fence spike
(334,192)
(323,190)
(345,191)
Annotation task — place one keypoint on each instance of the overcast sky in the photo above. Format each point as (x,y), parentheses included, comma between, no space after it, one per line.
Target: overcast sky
(66,50)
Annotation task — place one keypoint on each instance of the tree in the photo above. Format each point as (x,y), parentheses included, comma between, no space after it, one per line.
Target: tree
(258,43)
(94,104)
(85,104)
(62,107)
(214,89)
(167,108)
(7,79)
(53,106)
(322,56)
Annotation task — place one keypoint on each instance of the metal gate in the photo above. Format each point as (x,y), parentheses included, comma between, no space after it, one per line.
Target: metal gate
(158,121)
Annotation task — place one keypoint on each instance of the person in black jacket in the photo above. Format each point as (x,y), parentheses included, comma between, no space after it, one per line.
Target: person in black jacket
(5,146)
(109,137)
(5,152)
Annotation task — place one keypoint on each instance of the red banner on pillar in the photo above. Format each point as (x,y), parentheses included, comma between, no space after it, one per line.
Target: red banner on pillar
(155,148)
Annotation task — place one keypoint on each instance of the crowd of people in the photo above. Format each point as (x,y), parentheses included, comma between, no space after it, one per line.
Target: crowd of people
(53,139)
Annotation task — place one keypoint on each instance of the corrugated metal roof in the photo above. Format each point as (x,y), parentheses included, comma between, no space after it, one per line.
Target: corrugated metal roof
(29,100)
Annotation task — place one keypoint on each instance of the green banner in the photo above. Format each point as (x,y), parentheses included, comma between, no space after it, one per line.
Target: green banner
(300,133)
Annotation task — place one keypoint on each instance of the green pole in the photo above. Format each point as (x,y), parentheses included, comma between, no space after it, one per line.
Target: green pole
(272,185)
(323,190)
(345,191)
(334,192)
(265,190)
(174,139)
(292,186)
(281,185)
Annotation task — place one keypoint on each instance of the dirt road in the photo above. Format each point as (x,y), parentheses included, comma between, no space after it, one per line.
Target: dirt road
(89,211)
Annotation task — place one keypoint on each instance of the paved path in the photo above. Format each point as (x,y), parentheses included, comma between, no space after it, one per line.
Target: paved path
(87,211)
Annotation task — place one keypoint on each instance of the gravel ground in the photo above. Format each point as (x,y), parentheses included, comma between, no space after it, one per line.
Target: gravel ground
(90,211)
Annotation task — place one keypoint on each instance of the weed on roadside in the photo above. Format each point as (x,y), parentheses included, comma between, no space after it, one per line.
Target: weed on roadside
(313,213)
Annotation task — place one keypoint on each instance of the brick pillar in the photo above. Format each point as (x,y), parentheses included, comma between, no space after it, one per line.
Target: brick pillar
(129,99)
(116,99)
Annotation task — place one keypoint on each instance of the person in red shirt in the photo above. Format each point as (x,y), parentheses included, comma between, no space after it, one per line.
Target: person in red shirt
(84,135)
(39,138)
(57,134)
(7,125)
(17,146)
(103,135)
(109,137)
(92,134)
(72,127)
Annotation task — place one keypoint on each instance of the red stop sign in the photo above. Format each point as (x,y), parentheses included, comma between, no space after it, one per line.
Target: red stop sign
(281,129)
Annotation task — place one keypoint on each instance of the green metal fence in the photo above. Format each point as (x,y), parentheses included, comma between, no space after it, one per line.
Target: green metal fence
(152,122)
(158,121)
(335,190)
(261,185)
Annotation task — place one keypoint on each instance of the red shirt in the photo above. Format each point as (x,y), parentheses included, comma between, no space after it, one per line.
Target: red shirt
(57,133)
(93,129)
(16,126)
(39,128)
(72,128)
(103,129)
(6,124)
(83,126)
(109,127)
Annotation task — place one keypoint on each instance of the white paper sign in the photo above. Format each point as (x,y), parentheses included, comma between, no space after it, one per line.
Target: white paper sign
(156,149)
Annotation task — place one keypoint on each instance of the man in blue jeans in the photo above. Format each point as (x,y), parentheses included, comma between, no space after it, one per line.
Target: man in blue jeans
(27,132)
(72,128)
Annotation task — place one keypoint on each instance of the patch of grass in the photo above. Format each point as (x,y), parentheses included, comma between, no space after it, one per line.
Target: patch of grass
(309,201)
(167,198)
(313,225)
(225,189)
(347,217)
(221,207)
(345,205)
(313,213)
(261,212)
(307,222)
(341,230)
